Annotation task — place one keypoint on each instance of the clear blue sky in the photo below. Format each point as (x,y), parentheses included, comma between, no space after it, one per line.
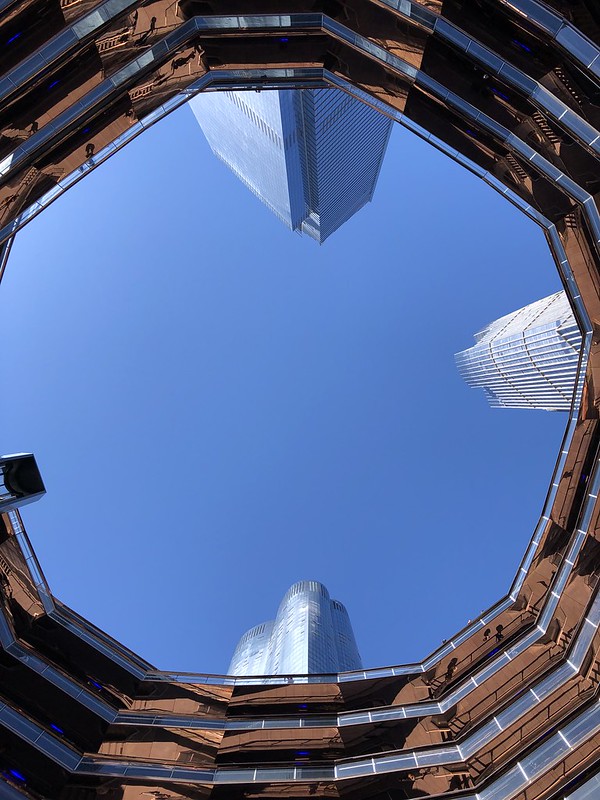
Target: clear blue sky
(219,407)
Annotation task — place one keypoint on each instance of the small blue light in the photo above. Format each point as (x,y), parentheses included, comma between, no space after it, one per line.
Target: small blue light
(499,93)
(471,132)
(53,84)
(303,705)
(97,685)
(57,729)
(521,45)
(493,652)
(12,38)
(16,775)
(283,39)
(302,753)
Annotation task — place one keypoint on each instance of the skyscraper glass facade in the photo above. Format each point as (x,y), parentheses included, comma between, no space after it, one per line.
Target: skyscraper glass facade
(313,157)
(527,359)
(311,634)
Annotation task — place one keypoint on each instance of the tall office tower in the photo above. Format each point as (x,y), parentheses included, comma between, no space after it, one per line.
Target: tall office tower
(527,359)
(312,157)
(311,634)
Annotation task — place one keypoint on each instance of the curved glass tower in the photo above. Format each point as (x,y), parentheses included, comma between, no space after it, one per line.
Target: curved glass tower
(527,359)
(311,634)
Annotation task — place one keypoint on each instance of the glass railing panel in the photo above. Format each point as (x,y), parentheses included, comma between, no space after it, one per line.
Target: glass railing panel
(561,579)
(422,710)
(113,7)
(437,656)
(452,34)
(395,763)
(584,131)
(461,105)
(315,773)
(582,644)
(485,56)
(381,673)
(319,722)
(31,211)
(193,775)
(283,723)
(542,15)
(60,44)
(6,632)
(355,770)
(354,719)
(19,724)
(554,680)
(231,724)
(233,775)
(346,677)
(153,116)
(577,45)
(490,615)
(423,16)
(84,27)
(549,170)
(549,101)
(479,738)
(516,709)
(543,757)
(370,47)
(57,751)
(592,215)
(581,728)
(390,714)
(441,755)
(506,786)
(517,78)
(147,771)
(589,791)
(491,669)
(460,692)
(32,65)
(573,188)
(90,767)
(340,30)
(576,544)
(470,165)
(11,792)
(266,775)
(499,131)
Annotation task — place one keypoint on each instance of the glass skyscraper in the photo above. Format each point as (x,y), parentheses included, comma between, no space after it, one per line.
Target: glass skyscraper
(313,157)
(527,359)
(310,634)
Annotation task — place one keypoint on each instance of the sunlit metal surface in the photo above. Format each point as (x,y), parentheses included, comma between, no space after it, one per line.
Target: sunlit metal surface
(526,359)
